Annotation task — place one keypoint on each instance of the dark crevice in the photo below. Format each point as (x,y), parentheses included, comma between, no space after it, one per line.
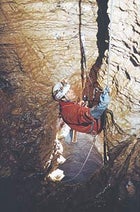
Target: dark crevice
(127,75)
(103,22)
(92,86)
(134,61)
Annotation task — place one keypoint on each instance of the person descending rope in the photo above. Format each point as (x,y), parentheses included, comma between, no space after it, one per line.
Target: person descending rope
(77,116)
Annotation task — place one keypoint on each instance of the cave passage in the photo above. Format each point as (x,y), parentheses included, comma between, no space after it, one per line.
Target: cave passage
(76,168)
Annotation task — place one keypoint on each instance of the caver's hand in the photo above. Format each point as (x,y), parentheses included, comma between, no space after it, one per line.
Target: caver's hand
(104,97)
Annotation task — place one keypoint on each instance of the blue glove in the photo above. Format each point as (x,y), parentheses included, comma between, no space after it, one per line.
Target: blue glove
(104,97)
(103,104)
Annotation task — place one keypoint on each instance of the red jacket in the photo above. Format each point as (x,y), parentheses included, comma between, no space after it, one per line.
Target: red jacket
(79,118)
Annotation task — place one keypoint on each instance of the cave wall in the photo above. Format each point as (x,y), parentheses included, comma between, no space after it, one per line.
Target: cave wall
(39,46)
(123,71)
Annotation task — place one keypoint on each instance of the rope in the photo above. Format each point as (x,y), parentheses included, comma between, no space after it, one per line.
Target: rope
(83,163)
(108,73)
(83,51)
(110,40)
(81,39)
(105,138)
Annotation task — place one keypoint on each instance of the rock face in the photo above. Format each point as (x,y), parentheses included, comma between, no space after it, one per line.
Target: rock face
(39,46)
(124,63)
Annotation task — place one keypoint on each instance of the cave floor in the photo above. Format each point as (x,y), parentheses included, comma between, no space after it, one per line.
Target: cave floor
(76,154)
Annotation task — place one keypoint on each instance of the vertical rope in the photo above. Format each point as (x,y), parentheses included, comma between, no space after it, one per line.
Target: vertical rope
(81,39)
(110,40)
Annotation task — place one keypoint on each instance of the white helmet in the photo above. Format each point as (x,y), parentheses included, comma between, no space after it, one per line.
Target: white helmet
(60,89)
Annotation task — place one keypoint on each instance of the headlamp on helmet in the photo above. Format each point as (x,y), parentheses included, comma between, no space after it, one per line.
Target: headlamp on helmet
(60,90)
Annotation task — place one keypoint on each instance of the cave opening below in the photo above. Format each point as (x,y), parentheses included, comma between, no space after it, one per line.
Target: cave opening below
(82,159)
